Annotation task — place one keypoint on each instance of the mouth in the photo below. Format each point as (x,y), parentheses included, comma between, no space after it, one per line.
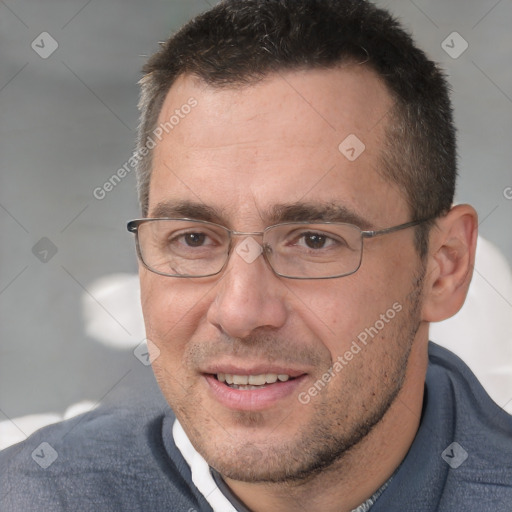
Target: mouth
(251,382)
(259,389)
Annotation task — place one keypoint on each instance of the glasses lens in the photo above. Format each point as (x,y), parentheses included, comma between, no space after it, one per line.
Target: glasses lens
(183,248)
(313,251)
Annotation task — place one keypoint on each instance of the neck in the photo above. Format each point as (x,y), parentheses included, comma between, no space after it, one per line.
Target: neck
(362,470)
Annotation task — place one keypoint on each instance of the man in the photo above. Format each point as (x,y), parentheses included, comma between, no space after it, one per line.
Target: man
(296,177)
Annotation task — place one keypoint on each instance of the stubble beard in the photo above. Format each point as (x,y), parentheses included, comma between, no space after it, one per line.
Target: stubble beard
(321,444)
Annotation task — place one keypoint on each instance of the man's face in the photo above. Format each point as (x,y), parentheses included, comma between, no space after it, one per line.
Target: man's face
(244,154)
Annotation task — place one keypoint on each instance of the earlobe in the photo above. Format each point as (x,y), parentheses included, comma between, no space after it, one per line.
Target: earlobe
(451,258)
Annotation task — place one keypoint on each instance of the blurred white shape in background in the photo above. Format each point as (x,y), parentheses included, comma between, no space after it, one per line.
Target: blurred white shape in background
(18,429)
(112,311)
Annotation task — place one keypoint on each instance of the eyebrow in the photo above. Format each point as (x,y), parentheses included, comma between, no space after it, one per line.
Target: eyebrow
(317,212)
(280,213)
(187,209)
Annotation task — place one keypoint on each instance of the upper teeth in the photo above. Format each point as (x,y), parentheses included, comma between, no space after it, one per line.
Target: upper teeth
(254,380)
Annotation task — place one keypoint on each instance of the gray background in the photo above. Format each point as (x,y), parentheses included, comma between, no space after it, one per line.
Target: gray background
(68,123)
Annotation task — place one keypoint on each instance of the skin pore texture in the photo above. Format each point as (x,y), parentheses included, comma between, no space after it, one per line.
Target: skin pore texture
(238,158)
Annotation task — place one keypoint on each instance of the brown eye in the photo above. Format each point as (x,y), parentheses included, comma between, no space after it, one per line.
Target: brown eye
(195,239)
(314,240)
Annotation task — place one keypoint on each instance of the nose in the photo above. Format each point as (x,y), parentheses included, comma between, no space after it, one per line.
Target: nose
(249,295)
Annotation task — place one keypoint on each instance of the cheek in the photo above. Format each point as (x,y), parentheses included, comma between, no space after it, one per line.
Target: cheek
(338,301)
(172,311)
(337,311)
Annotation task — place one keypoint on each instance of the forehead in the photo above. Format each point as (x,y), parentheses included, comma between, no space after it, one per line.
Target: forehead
(312,136)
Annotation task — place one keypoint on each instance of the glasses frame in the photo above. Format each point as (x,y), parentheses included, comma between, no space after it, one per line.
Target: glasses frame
(133,227)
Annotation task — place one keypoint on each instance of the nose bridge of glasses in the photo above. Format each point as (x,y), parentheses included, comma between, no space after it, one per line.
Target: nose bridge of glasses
(243,235)
(246,233)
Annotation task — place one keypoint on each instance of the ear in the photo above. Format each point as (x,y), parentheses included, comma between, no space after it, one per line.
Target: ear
(451,258)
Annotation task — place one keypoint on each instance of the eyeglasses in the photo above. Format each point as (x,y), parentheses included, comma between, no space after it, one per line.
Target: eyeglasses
(295,250)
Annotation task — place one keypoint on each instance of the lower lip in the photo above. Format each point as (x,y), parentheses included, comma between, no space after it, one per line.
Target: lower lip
(253,399)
